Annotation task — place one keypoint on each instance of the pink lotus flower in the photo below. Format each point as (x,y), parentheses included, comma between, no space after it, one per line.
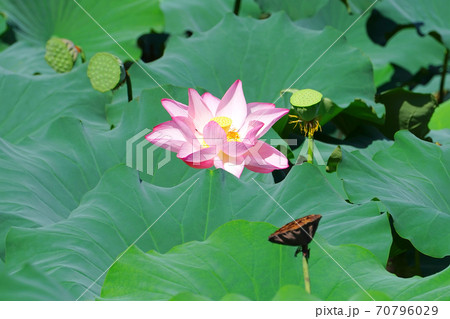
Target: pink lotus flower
(223,133)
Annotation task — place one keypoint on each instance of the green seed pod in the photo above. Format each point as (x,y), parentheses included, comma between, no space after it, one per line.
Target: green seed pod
(105,71)
(307,103)
(61,54)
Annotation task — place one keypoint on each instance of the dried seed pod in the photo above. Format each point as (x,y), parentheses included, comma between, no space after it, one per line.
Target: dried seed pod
(298,232)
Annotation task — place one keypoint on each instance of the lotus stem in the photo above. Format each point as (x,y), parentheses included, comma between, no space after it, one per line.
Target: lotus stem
(237,7)
(129,88)
(417,262)
(288,91)
(83,56)
(306,272)
(310,148)
(444,72)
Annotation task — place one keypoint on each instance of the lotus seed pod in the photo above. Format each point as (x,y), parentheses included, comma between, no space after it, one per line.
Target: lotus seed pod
(61,54)
(105,71)
(307,103)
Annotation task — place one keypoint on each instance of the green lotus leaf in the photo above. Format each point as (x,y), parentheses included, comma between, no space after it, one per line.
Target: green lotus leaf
(120,208)
(293,292)
(408,178)
(51,97)
(397,51)
(441,117)
(432,16)
(46,174)
(440,136)
(433,86)
(237,259)
(38,20)
(407,110)
(335,14)
(383,75)
(195,16)
(25,58)
(29,284)
(239,249)
(184,296)
(44,181)
(250,50)
(187,296)
(359,6)
(295,9)
(328,156)
(323,151)
(3,46)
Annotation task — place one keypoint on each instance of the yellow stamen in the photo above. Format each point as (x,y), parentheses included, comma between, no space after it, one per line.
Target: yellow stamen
(306,127)
(233,136)
(225,123)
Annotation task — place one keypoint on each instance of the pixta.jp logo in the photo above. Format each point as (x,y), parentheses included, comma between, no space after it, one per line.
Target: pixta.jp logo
(142,155)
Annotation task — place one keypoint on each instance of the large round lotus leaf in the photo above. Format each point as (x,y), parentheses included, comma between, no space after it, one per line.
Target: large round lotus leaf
(441,117)
(195,16)
(46,175)
(433,86)
(125,21)
(120,208)
(397,50)
(105,71)
(294,8)
(238,260)
(25,58)
(440,136)
(430,16)
(406,110)
(29,284)
(410,179)
(268,56)
(58,55)
(51,97)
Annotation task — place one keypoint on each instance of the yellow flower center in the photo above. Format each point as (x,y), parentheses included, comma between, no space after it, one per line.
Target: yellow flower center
(225,123)
(233,136)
